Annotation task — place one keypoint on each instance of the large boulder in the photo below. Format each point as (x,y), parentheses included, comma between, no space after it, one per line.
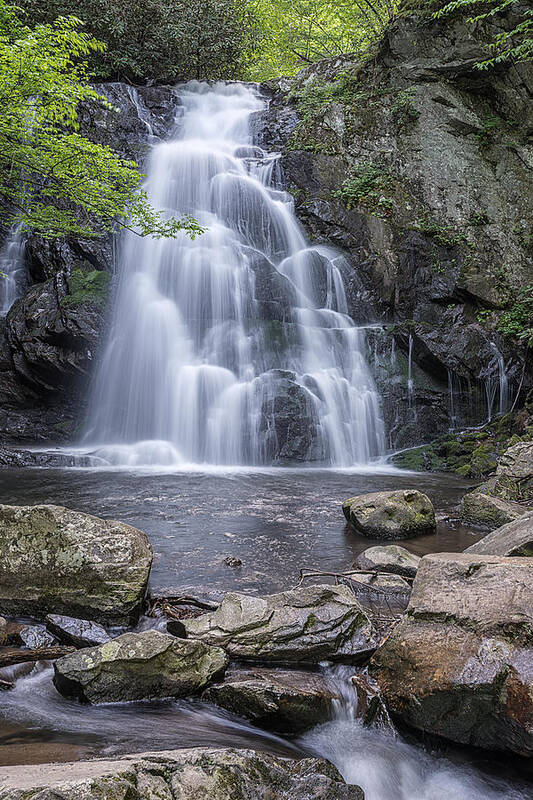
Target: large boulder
(194,774)
(514,539)
(304,625)
(391,515)
(482,508)
(514,476)
(285,701)
(139,666)
(389,558)
(53,560)
(460,663)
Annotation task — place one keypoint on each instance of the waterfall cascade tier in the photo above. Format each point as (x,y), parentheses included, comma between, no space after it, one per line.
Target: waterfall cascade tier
(236,347)
(12,270)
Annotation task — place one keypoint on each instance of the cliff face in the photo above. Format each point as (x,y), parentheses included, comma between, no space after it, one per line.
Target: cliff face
(416,164)
(420,166)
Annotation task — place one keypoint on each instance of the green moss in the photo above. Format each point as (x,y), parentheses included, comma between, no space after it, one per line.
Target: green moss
(87,287)
(444,235)
(371,185)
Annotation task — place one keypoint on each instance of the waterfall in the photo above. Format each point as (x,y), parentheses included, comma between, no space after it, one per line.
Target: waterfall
(12,270)
(496,384)
(235,347)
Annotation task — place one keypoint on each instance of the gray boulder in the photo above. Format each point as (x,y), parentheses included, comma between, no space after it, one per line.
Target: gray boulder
(3,631)
(304,625)
(35,636)
(194,774)
(514,475)
(285,701)
(514,539)
(460,663)
(389,558)
(78,632)
(53,560)
(391,515)
(486,509)
(139,666)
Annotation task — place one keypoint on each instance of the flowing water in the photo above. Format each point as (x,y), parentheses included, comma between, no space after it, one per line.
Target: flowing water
(235,347)
(12,270)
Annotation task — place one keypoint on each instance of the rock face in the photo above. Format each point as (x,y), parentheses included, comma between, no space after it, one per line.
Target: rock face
(514,539)
(285,701)
(437,192)
(78,632)
(389,558)
(486,509)
(514,476)
(53,560)
(391,515)
(460,663)
(305,625)
(195,774)
(138,666)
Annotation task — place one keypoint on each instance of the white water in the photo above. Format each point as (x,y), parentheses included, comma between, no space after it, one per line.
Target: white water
(235,348)
(12,270)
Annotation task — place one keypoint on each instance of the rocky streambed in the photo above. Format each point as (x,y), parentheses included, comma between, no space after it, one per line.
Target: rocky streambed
(356,668)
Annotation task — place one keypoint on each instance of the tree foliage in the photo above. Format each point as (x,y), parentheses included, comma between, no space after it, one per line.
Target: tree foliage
(294,33)
(53,180)
(161,39)
(514,44)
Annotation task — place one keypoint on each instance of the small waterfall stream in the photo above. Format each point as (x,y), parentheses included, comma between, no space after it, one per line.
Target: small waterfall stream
(12,270)
(237,347)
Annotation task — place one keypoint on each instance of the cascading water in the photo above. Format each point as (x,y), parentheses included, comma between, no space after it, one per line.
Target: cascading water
(236,347)
(12,270)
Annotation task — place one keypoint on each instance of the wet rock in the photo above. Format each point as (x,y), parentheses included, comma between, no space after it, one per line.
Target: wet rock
(371,708)
(194,774)
(460,663)
(78,632)
(391,515)
(232,561)
(304,625)
(513,539)
(53,560)
(3,631)
(201,596)
(35,636)
(176,628)
(514,476)
(284,701)
(389,558)
(486,509)
(137,666)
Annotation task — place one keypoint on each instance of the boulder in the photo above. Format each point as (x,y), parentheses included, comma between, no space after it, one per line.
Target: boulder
(389,558)
(391,515)
(35,636)
(304,625)
(285,701)
(3,631)
(514,539)
(137,666)
(460,663)
(78,632)
(53,560)
(514,476)
(481,508)
(194,774)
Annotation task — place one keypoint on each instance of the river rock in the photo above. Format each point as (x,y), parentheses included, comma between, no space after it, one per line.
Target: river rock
(389,558)
(137,666)
(460,663)
(54,560)
(79,632)
(3,631)
(285,701)
(514,475)
(514,539)
(391,515)
(304,625)
(194,774)
(486,509)
(35,636)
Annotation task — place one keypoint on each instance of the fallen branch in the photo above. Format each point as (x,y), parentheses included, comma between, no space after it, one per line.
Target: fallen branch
(13,655)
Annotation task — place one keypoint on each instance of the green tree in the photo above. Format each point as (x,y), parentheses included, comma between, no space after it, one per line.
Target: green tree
(160,39)
(53,180)
(514,44)
(294,33)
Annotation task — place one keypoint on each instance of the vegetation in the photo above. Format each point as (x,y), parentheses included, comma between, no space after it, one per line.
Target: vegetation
(53,180)
(369,184)
(87,287)
(517,321)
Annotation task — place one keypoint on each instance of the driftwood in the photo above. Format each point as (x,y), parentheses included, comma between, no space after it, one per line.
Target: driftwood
(5,685)
(14,655)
